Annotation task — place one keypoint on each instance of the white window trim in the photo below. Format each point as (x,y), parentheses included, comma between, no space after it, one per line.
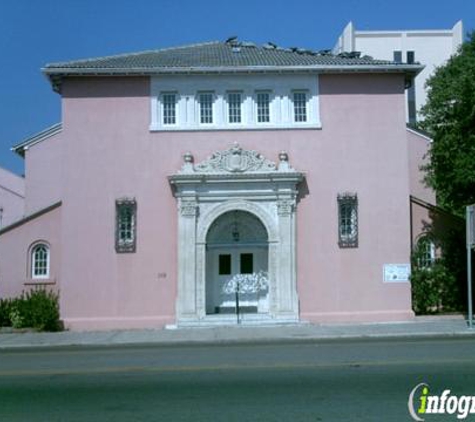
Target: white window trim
(161,108)
(432,251)
(33,262)
(272,118)
(292,106)
(213,109)
(281,87)
(243,109)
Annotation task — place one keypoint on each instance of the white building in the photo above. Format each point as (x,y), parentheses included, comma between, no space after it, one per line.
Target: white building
(429,47)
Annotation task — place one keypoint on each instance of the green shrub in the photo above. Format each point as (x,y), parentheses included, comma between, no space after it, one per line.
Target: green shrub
(434,290)
(435,287)
(37,308)
(5,309)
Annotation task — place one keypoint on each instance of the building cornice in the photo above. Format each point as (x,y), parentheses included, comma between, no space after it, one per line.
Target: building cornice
(22,146)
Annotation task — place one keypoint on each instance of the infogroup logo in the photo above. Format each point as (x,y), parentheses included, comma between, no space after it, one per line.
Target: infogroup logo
(420,403)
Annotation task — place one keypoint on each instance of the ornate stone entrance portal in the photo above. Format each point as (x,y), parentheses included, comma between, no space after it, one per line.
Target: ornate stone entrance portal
(236,256)
(236,216)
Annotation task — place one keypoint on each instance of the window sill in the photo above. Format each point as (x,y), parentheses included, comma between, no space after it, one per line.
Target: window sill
(231,127)
(39,282)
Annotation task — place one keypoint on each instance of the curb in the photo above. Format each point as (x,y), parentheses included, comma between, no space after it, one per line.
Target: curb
(215,337)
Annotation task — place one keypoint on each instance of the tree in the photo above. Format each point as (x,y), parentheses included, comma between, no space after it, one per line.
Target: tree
(449,117)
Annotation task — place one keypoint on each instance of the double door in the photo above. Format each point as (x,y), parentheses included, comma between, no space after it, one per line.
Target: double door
(223,265)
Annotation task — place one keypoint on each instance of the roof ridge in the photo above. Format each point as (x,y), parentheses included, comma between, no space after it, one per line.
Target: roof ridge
(137,53)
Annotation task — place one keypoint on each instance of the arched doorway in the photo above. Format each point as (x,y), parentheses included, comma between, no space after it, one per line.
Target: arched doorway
(261,195)
(237,249)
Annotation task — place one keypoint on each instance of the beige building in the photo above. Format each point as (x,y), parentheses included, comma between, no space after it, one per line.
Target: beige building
(432,48)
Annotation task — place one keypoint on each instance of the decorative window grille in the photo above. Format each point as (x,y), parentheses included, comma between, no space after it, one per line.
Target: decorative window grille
(234,107)
(348,220)
(169,109)
(206,107)
(300,106)
(40,261)
(263,107)
(125,233)
(425,252)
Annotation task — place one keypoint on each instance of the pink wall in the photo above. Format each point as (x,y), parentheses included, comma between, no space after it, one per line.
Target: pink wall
(110,153)
(15,270)
(12,197)
(43,168)
(418,146)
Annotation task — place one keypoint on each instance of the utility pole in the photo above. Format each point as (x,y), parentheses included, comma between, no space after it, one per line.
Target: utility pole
(470,225)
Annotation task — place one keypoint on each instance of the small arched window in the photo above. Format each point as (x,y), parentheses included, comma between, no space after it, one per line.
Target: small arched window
(40,261)
(425,252)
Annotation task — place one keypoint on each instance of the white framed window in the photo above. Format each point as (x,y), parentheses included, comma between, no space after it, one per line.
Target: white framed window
(40,260)
(169,108)
(234,107)
(425,252)
(125,231)
(234,102)
(300,106)
(205,101)
(347,220)
(263,107)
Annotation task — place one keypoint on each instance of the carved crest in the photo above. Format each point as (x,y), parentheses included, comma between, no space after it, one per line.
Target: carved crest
(235,160)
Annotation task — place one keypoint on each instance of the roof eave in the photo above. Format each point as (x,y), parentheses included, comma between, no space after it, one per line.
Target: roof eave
(56,74)
(21,147)
(145,71)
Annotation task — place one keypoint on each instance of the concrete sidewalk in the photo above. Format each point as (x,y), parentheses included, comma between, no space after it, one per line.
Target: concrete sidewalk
(437,326)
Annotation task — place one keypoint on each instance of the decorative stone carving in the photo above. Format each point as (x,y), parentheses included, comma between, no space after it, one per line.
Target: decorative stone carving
(255,194)
(284,162)
(235,160)
(285,207)
(188,163)
(188,208)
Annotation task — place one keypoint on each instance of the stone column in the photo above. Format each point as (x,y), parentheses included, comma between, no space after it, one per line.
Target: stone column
(187,289)
(286,301)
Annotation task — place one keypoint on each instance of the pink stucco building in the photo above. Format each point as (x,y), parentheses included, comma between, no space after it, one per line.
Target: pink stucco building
(12,198)
(176,174)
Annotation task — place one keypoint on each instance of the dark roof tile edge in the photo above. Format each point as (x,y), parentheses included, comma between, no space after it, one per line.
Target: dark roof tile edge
(36,138)
(30,217)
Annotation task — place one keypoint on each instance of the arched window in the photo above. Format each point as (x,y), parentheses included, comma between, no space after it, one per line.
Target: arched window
(40,261)
(425,252)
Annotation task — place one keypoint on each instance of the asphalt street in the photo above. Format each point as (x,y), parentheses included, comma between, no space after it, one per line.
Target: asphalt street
(364,380)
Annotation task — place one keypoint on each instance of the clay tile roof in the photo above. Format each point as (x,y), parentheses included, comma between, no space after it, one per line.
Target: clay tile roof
(217,55)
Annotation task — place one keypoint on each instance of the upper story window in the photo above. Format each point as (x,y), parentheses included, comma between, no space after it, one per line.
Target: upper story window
(206,107)
(263,107)
(234,107)
(40,261)
(300,106)
(234,102)
(397,56)
(348,220)
(169,102)
(125,232)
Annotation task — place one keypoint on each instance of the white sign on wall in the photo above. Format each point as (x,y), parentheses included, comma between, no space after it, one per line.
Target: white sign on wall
(394,273)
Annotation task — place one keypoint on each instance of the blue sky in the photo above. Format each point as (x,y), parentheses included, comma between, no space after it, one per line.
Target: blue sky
(33,33)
